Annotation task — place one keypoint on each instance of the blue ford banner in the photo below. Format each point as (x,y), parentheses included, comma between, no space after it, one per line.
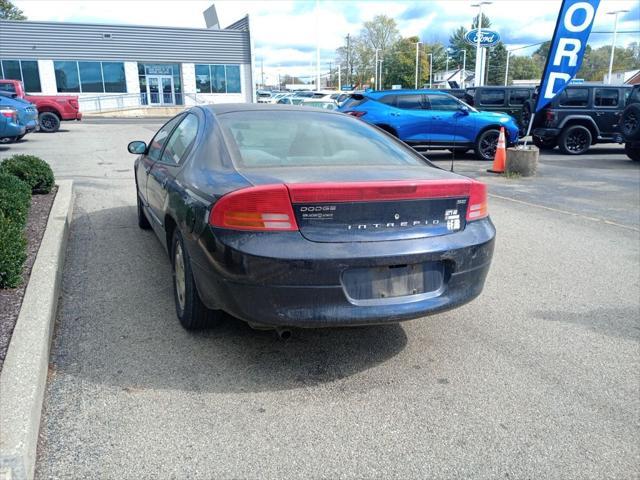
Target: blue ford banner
(567,47)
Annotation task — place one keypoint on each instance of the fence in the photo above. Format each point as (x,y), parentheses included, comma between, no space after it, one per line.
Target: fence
(109,103)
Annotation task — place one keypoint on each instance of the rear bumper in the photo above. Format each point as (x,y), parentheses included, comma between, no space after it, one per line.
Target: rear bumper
(13,130)
(300,285)
(546,133)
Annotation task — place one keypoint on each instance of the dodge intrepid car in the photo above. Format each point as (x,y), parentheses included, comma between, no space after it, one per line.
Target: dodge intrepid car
(287,216)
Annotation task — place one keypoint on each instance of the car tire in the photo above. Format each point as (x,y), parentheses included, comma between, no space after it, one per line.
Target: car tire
(543,144)
(49,122)
(632,152)
(191,312)
(458,150)
(143,221)
(575,140)
(630,122)
(486,144)
(20,137)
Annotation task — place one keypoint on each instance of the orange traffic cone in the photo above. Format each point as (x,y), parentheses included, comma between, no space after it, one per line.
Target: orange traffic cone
(501,155)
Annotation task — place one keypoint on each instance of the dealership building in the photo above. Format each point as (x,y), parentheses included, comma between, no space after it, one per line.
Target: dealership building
(121,66)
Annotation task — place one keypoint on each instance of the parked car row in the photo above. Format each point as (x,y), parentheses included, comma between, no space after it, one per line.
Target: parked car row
(24,113)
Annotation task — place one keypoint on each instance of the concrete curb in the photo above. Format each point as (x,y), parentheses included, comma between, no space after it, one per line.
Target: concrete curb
(24,374)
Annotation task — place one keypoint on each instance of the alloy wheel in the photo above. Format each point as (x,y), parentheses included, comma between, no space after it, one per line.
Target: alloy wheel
(630,123)
(179,276)
(577,141)
(489,144)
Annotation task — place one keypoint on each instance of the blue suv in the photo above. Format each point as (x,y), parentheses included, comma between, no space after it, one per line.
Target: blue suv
(432,119)
(27,115)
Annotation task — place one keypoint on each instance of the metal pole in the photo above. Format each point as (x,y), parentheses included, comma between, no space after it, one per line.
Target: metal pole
(430,70)
(613,44)
(478,49)
(317,47)
(417,56)
(339,77)
(506,70)
(348,57)
(380,78)
(375,86)
(464,68)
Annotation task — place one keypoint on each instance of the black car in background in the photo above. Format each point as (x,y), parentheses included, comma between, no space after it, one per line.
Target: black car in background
(509,100)
(580,116)
(293,216)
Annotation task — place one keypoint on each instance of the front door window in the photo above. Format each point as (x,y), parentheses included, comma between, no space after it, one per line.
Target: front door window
(160,90)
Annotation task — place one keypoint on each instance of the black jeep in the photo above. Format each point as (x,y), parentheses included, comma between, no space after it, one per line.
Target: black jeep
(630,125)
(580,116)
(500,99)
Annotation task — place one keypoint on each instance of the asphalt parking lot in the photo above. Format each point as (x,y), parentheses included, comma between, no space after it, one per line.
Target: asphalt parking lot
(537,378)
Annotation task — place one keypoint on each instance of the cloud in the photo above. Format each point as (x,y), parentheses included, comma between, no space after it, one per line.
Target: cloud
(414,11)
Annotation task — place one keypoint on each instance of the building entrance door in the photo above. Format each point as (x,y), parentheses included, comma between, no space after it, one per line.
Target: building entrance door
(160,90)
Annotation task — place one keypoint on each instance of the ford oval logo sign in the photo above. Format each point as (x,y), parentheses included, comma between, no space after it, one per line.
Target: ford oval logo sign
(488,39)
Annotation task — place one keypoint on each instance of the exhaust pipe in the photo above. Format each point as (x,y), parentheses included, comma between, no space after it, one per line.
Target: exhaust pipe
(283,333)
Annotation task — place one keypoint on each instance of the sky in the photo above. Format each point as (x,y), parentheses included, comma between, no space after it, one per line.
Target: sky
(285,32)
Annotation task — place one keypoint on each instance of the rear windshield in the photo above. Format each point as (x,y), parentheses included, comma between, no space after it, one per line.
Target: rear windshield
(287,139)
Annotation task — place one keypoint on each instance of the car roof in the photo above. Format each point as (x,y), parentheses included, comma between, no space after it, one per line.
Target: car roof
(381,93)
(222,108)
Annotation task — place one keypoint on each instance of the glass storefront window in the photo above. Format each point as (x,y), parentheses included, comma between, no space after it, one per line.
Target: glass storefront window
(67,76)
(203,79)
(218,79)
(114,78)
(24,70)
(90,77)
(233,79)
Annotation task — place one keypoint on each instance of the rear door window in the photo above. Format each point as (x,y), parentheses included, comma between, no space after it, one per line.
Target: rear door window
(519,96)
(606,97)
(410,102)
(574,97)
(491,97)
(443,102)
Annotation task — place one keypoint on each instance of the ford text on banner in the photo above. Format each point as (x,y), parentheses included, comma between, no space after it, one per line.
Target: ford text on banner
(567,47)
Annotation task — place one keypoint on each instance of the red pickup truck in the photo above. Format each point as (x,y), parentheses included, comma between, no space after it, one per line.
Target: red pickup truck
(52,108)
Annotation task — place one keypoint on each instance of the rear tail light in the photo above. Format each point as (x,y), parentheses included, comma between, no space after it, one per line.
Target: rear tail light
(549,116)
(355,113)
(478,206)
(9,114)
(263,208)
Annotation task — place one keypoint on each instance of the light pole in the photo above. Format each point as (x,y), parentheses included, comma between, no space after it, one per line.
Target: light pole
(430,70)
(376,83)
(417,58)
(506,70)
(613,44)
(339,78)
(380,77)
(479,67)
(464,68)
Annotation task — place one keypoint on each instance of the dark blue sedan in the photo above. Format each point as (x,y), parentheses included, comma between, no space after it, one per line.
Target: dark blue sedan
(290,216)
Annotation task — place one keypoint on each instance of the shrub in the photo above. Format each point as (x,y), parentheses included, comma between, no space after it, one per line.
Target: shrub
(13,252)
(32,170)
(15,198)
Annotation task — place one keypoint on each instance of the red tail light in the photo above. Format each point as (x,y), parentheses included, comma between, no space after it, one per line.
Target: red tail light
(263,208)
(355,113)
(9,114)
(478,206)
(549,117)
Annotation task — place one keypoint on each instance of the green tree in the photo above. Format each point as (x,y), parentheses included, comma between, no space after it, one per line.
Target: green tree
(522,67)
(8,11)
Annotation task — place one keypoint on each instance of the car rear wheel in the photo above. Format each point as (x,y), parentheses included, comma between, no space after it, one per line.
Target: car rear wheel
(143,221)
(49,122)
(543,144)
(486,144)
(632,152)
(575,140)
(191,312)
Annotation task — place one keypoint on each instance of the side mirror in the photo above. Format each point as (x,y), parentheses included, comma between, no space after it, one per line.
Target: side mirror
(137,147)
(463,110)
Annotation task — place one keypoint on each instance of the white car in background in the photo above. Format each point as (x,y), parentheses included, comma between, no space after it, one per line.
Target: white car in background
(320,103)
